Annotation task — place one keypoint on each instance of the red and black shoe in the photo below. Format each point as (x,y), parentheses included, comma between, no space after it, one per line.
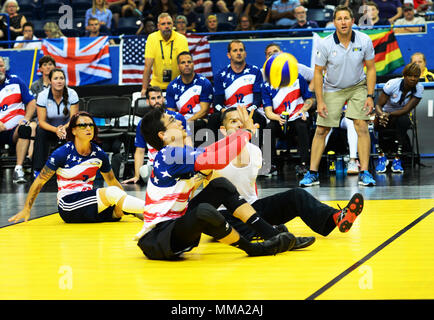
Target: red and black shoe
(345,217)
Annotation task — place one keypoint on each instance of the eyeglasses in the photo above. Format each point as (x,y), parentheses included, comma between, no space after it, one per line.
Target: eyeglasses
(84,126)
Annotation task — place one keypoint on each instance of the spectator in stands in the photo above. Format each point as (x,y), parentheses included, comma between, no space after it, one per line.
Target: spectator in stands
(167,6)
(244,23)
(115,6)
(214,6)
(161,50)
(371,17)
(357,6)
(28,30)
(133,8)
(211,23)
(420,59)
(15,129)
(46,64)
(282,12)
(147,26)
(55,106)
(422,6)
(409,19)
(258,12)
(16,19)
(52,31)
(302,22)
(189,14)
(190,94)
(398,98)
(154,99)
(389,9)
(298,99)
(181,25)
(101,11)
(93,29)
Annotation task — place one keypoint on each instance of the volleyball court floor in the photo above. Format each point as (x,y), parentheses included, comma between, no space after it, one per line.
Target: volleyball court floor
(386,255)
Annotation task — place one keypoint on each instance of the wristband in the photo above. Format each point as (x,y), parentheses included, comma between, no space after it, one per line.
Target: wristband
(370,96)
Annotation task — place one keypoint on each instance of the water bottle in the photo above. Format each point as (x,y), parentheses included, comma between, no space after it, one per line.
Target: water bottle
(346,160)
(285,115)
(339,166)
(331,161)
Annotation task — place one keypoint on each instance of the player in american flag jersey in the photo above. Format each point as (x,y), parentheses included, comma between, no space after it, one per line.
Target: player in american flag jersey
(76,164)
(173,221)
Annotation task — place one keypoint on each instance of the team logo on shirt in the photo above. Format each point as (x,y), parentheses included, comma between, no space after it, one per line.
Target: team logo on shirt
(357,49)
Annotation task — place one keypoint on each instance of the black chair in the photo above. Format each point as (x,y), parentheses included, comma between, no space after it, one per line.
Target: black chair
(139,109)
(321,16)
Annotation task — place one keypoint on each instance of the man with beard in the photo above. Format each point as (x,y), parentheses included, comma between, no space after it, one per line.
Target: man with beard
(190,93)
(17,107)
(162,48)
(155,99)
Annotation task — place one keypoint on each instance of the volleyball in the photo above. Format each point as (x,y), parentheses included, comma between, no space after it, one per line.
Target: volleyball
(281,70)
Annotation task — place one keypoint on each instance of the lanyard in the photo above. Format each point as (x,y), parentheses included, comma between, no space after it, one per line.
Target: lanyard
(171,50)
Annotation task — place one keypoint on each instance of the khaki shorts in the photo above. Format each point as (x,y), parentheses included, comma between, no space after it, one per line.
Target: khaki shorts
(355,97)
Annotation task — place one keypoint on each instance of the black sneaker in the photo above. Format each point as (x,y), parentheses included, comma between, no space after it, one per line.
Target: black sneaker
(303,242)
(279,243)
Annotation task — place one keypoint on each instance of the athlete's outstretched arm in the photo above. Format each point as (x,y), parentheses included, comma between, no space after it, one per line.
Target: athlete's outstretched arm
(45,175)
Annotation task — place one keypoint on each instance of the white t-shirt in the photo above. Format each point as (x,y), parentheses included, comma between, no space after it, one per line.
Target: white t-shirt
(244,178)
(28,45)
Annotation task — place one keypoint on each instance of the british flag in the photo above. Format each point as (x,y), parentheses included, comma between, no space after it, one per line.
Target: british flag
(84,60)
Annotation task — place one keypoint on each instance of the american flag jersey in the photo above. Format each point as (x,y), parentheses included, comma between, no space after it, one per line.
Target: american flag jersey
(133,59)
(14,96)
(170,185)
(290,99)
(238,88)
(76,172)
(186,98)
(84,60)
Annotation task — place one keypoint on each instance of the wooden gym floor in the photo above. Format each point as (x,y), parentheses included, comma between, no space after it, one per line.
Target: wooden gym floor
(386,255)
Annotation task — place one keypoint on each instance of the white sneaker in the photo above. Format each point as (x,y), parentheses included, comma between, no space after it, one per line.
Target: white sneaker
(353,167)
(18,176)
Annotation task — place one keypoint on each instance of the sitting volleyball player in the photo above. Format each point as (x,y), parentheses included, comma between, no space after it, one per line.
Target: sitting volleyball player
(76,164)
(173,221)
(284,206)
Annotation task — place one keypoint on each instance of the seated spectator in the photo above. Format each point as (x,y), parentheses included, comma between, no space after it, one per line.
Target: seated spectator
(214,6)
(409,19)
(133,8)
(302,22)
(372,18)
(28,30)
(389,9)
(164,6)
(422,6)
(55,106)
(52,31)
(46,64)
(16,20)
(147,26)
(181,25)
(357,6)
(420,59)
(93,30)
(15,125)
(211,23)
(115,6)
(188,12)
(282,12)
(244,23)
(258,12)
(395,103)
(101,11)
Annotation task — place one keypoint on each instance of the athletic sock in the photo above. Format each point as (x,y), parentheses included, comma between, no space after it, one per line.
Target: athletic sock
(133,205)
(313,172)
(262,227)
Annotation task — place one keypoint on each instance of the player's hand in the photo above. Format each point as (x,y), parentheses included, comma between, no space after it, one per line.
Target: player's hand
(2,127)
(131,180)
(247,119)
(322,110)
(369,106)
(23,214)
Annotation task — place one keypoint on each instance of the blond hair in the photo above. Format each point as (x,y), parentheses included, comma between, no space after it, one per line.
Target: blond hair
(54,29)
(6,4)
(104,6)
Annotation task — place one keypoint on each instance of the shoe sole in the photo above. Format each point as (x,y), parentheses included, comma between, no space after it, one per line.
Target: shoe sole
(20,181)
(370,184)
(304,244)
(398,171)
(354,209)
(309,184)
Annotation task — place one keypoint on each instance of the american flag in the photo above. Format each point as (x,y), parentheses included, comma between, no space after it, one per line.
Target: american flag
(84,60)
(133,59)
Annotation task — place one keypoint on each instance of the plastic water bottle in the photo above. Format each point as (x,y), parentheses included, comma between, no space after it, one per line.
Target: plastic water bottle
(285,116)
(331,161)
(339,166)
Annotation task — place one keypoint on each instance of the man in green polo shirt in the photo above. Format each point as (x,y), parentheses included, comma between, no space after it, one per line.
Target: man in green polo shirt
(162,48)
(339,78)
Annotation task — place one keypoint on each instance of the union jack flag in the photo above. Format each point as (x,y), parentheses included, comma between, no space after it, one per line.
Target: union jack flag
(84,60)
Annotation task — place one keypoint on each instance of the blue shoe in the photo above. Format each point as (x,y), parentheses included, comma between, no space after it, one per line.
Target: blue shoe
(309,179)
(396,166)
(382,165)
(36,173)
(366,179)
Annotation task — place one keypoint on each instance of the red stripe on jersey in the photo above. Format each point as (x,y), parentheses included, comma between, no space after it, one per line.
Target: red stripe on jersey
(193,101)
(244,90)
(13,114)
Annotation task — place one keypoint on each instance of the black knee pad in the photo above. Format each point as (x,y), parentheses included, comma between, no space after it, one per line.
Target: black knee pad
(24,132)
(208,214)
(223,183)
